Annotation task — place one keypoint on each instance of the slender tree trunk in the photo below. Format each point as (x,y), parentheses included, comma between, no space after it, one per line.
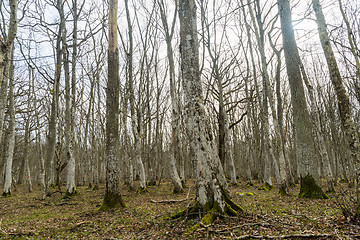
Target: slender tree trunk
(305,154)
(175,115)
(11,139)
(51,138)
(136,125)
(351,133)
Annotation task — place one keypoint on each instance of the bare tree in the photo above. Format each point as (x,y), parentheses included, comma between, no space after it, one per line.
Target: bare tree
(305,154)
(211,188)
(112,198)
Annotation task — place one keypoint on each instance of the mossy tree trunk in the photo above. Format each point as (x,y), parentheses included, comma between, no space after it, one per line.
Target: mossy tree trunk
(211,188)
(112,198)
(305,153)
(351,133)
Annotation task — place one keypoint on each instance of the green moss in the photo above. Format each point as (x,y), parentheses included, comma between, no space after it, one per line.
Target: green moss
(6,194)
(283,191)
(266,187)
(112,201)
(244,194)
(234,184)
(142,190)
(310,189)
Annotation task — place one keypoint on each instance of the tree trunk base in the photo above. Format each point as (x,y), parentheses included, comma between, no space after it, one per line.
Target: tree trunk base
(112,201)
(208,212)
(6,194)
(142,190)
(266,187)
(310,189)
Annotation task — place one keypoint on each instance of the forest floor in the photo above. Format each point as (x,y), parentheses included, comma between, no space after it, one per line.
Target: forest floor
(267,216)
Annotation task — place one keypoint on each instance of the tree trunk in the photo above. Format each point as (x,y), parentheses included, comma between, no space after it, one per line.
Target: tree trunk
(175,115)
(11,140)
(112,198)
(211,188)
(51,138)
(351,133)
(136,125)
(70,181)
(308,169)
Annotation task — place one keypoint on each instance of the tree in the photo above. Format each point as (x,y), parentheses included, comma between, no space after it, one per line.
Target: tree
(175,111)
(6,44)
(112,198)
(352,135)
(309,185)
(212,194)
(11,137)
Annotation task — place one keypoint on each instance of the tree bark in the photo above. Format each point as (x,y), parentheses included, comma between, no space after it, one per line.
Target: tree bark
(11,139)
(211,188)
(351,133)
(112,198)
(309,186)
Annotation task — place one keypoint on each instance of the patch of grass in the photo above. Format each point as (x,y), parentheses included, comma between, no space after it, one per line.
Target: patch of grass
(25,216)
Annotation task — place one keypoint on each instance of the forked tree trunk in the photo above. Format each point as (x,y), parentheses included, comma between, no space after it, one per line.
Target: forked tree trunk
(112,198)
(305,154)
(211,188)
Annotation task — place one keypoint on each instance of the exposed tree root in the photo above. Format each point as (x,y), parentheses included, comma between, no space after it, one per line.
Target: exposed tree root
(209,213)
(142,190)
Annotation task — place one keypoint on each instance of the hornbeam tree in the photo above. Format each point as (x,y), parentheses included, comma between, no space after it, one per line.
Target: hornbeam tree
(112,198)
(212,195)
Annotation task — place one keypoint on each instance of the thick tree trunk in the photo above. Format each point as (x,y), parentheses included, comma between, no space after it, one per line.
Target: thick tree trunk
(112,198)
(211,187)
(305,154)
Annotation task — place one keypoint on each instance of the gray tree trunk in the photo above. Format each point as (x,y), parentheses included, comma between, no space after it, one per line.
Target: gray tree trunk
(211,187)
(351,133)
(112,198)
(11,139)
(308,168)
